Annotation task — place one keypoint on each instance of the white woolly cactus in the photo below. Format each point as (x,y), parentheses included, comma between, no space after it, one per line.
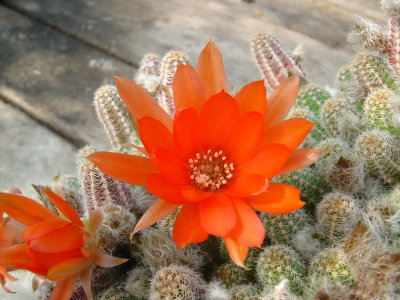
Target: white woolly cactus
(177,283)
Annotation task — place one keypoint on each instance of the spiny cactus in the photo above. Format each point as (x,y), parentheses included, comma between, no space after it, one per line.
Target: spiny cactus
(331,264)
(369,35)
(309,181)
(246,292)
(381,152)
(274,62)
(372,72)
(138,282)
(281,228)
(169,64)
(278,262)
(308,242)
(115,117)
(116,292)
(156,250)
(98,188)
(231,275)
(339,119)
(317,133)
(337,215)
(217,291)
(381,109)
(394,44)
(69,188)
(280,292)
(177,283)
(120,223)
(147,75)
(312,97)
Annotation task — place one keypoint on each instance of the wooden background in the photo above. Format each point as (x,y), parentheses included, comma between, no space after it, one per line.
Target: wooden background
(55,53)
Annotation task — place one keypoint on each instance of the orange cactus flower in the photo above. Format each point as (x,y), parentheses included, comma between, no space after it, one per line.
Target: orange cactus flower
(59,247)
(216,157)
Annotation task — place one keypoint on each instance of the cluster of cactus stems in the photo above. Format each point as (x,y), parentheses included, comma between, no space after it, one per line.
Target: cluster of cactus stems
(344,244)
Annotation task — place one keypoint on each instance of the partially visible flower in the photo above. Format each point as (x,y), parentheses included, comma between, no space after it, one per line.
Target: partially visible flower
(6,239)
(58,247)
(216,157)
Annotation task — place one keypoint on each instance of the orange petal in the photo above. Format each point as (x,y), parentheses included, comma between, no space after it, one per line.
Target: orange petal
(211,70)
(187,87)
(290,133)
(268,161)
(217,214)
(64,207)
(23,209)
(249,230)
(281,101)
(278,199)
(217,118)
(155,212)
(236,250)
(246,185)
(68,268)
(64,289)
(188,228)
(245,137)
(108,261)
(139,103)
(252,97)
(185,131)
(171,166)
(44,228)
(55,241)
(158,185)
(299,159)
(131,169)
(194,194)
(17,256)
(154,134)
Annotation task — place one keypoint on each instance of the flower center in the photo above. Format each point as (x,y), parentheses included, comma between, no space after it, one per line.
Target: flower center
(210,170)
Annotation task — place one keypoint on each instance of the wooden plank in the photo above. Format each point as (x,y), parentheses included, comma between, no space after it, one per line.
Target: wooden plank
(52,76)
(128,29)
(30,153)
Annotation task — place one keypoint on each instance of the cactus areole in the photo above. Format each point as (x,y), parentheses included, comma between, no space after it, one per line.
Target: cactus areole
(216,156)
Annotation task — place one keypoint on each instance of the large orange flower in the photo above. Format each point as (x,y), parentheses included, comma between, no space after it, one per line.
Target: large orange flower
(60,248)
(216,157)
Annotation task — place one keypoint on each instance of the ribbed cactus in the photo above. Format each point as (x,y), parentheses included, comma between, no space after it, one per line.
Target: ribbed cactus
(169,64)
(331,264)
(274,62)
(394,44)
(381,152)
(148,73)
(278,262)
(177,283)
(281,228)
(381,109)
(337,215)
(120,223)
(115,117)
(98,188)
